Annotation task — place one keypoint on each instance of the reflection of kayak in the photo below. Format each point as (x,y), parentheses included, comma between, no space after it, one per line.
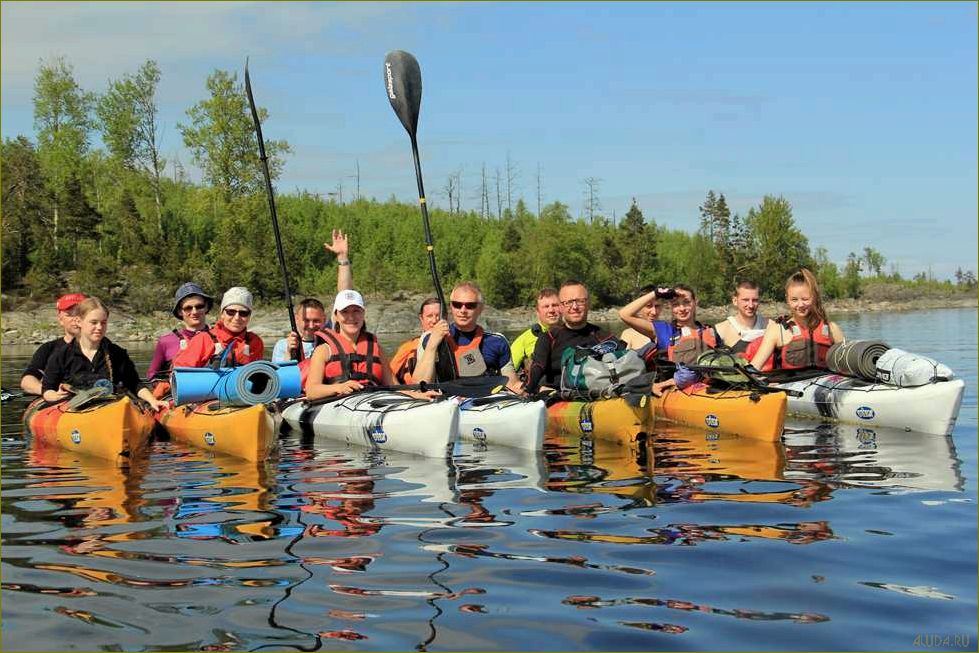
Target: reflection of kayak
(111,428)
(859,456)
(929,408)
(606,419)
(243,431)
(503,419)
(685,451)
(741,412)
(380,419)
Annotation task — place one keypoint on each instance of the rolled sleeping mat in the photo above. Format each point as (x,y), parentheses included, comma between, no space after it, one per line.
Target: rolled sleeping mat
(907,370)
(254,383)
(190,385)
(857,358)
(290,380)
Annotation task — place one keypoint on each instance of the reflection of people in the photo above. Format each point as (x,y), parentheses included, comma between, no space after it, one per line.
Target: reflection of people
(90,358)
(803,338)
(66,306)
(229,340)
(191,306)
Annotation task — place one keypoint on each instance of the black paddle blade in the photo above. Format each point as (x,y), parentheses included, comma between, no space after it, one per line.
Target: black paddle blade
(403,84)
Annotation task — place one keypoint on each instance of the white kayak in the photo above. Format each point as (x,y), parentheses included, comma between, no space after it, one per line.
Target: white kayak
(382,420)
(930,408)
(502,419)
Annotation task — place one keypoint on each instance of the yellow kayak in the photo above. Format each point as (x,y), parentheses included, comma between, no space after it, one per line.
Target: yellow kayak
(243,431)
(112,428)
(740,412)
(607,419)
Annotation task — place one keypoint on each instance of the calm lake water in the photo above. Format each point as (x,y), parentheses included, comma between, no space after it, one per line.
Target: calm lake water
(830,540)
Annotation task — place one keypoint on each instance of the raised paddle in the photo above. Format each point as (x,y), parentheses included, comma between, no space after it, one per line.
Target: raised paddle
(403,85)
(271,195)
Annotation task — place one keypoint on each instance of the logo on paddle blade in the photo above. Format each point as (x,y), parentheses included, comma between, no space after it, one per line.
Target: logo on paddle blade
(209,438)
(479,434)
(712,421)
(387,67)
(866,412)
(378,435)
(76,436)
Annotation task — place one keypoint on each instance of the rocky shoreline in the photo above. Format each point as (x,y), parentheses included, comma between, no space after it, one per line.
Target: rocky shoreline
(398,316)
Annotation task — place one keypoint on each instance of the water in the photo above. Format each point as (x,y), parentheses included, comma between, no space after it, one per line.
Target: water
(832,540)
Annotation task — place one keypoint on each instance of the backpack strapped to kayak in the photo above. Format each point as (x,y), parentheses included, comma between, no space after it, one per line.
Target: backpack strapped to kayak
(598,371)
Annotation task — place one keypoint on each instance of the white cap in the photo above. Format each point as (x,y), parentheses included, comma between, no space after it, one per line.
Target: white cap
(347,298)
(237,296)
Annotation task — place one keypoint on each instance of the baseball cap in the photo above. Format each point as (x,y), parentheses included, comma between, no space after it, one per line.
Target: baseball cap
(347,298)
(69,301)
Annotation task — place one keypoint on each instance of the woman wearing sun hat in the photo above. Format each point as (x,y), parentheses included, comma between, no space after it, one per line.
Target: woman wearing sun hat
(229,341)
(191,306)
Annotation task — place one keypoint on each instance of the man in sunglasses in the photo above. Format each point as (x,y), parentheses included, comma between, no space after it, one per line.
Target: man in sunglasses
(574,330)
(229,342)
(476,352)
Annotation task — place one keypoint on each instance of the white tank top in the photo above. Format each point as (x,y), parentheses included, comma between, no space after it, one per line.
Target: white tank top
(757,331)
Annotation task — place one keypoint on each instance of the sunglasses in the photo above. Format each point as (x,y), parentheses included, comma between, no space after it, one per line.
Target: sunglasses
(193,307)
(469,305)
(240,312)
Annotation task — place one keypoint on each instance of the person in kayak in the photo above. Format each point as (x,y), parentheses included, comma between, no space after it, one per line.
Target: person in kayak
(648,312)
(742,332)
(190,305)
(90,358)
(30,381)
(406,357)
(476,352)
(310,313)
(801,339)
(574,330)
(229,342)
(548,315)
(348,358)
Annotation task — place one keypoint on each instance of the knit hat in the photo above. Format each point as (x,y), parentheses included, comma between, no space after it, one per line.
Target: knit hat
(347,298)
(185,291)
(69,301)
(237,295)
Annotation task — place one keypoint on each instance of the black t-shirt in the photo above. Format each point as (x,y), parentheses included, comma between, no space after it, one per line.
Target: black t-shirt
(41,357)
(69,365)
(545,368)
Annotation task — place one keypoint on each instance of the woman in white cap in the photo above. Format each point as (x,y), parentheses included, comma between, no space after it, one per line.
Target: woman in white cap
(349,358)
(228,342)
(190,305)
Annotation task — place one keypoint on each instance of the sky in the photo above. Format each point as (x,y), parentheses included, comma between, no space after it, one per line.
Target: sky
(862,115)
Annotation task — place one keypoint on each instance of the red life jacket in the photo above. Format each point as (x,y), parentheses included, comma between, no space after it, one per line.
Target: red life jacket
(350,363)
(752,349)
(806,348)
(687,344)
(244,347)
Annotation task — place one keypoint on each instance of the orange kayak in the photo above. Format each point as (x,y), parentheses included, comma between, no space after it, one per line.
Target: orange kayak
(112,428)
(243,431)
(607,419)
(741,412)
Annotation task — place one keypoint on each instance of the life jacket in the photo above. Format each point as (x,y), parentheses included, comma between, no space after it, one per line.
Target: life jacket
(240,352)
(749,340)
(184,341)
(404,360)
(469,359)
(687,344)
(352,363)
(806,348)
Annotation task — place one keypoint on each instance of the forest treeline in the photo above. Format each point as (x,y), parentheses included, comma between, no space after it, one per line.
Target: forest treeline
(121,222)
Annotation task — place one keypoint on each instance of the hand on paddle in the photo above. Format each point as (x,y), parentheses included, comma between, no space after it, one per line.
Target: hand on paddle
(156,404)
(438,333)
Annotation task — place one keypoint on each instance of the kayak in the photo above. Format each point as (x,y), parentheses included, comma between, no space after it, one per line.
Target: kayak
(503,419)
(930,408)
(243,431)
(380,419)
(747,413)
(614,419)
(112,428)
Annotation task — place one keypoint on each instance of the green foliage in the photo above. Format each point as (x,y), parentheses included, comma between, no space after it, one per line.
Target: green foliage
(778,247)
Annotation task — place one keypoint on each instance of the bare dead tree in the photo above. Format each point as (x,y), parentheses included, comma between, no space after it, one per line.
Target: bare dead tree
(499,195)
(539,188)
(512,174)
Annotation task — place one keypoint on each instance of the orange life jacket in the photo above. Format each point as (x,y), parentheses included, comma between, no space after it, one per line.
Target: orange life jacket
(687,344)
(806,348)
(350,363)
(404,360)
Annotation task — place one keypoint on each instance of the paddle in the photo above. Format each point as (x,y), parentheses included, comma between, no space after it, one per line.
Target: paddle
(753,379)
(403,83)
(271,195)
(6,395)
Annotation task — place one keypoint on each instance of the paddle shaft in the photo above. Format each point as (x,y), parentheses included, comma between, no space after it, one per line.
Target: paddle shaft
(429,247)
(300,354)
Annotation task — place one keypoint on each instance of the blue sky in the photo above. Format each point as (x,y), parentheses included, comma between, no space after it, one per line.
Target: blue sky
(862,115)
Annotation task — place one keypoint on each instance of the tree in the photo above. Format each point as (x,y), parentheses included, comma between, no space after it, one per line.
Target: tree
(25,208)
(715,219)
(221,137)
(127,115)
(779,247)
(874,260)
(61,119)
(638,245)
(851,276)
